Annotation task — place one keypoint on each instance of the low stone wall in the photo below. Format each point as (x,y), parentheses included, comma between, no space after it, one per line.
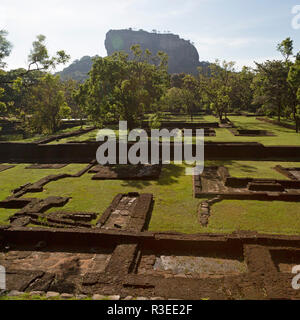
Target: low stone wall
(216,181)
(123,258)
(185,125)
(65,135)
(250,133)
(86,152)
(234,182)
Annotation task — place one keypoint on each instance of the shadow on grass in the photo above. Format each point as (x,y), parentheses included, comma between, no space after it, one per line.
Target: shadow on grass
(233,165)
(169,175)
(138,184)
(218,163)
(260,125)
(245,168)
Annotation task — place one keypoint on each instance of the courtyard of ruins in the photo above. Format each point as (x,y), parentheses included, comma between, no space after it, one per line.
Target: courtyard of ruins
(69,225)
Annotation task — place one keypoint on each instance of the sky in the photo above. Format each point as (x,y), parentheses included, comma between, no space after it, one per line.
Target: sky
(233,30)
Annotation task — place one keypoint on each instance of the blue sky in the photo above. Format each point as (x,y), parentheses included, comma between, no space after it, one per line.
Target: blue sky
(234,30)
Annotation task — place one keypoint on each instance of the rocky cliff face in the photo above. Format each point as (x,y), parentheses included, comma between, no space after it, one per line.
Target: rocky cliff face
(78,70)
(183,56)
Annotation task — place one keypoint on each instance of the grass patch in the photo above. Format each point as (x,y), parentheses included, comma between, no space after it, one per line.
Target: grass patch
(5,214)
(175,208)
(19,137)
(274,217)
(254,169)
(173,194)
(17,176)
(86,136)
(28,296)
(283,136)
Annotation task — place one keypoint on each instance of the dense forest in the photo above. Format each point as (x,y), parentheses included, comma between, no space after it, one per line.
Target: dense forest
(119,88)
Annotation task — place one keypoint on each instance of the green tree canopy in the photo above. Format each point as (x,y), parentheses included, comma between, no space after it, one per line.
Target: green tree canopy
(124,89)
(49,105)
(5,47)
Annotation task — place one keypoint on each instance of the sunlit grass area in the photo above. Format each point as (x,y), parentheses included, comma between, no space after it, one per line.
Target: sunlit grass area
(18,176)
(19,137)
(254,169)
(276,217)
(5,214)
(175,208)
(185,117)
(86,136)
(92,136)
(283,136)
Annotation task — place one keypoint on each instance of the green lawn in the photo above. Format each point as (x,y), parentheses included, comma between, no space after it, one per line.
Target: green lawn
(19,137)
(173,194)
(254,169)
(17,176)
(93,134)
(175,208)
(283,136)
(186,118)
(261,216)
(276,217)
(87,136)
(283,120)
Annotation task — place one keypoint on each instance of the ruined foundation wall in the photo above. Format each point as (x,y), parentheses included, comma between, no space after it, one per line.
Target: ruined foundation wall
(86,152)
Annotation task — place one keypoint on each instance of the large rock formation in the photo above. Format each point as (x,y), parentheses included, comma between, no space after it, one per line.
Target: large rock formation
(183,56)
(78,70)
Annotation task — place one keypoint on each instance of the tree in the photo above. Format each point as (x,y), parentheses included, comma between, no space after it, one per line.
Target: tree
(39,60)
(286,48)
(5,47)
(184,97)
(276,84)
(126,88)
(191,94)
(3,109)
(16,91)
(270,86)
(293,80)
(298,106)
(173,100)
(216,87)
(39,56)
(177,80)
(241,94)
(49,105)
(16,84)
(80,97)
(70,88)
